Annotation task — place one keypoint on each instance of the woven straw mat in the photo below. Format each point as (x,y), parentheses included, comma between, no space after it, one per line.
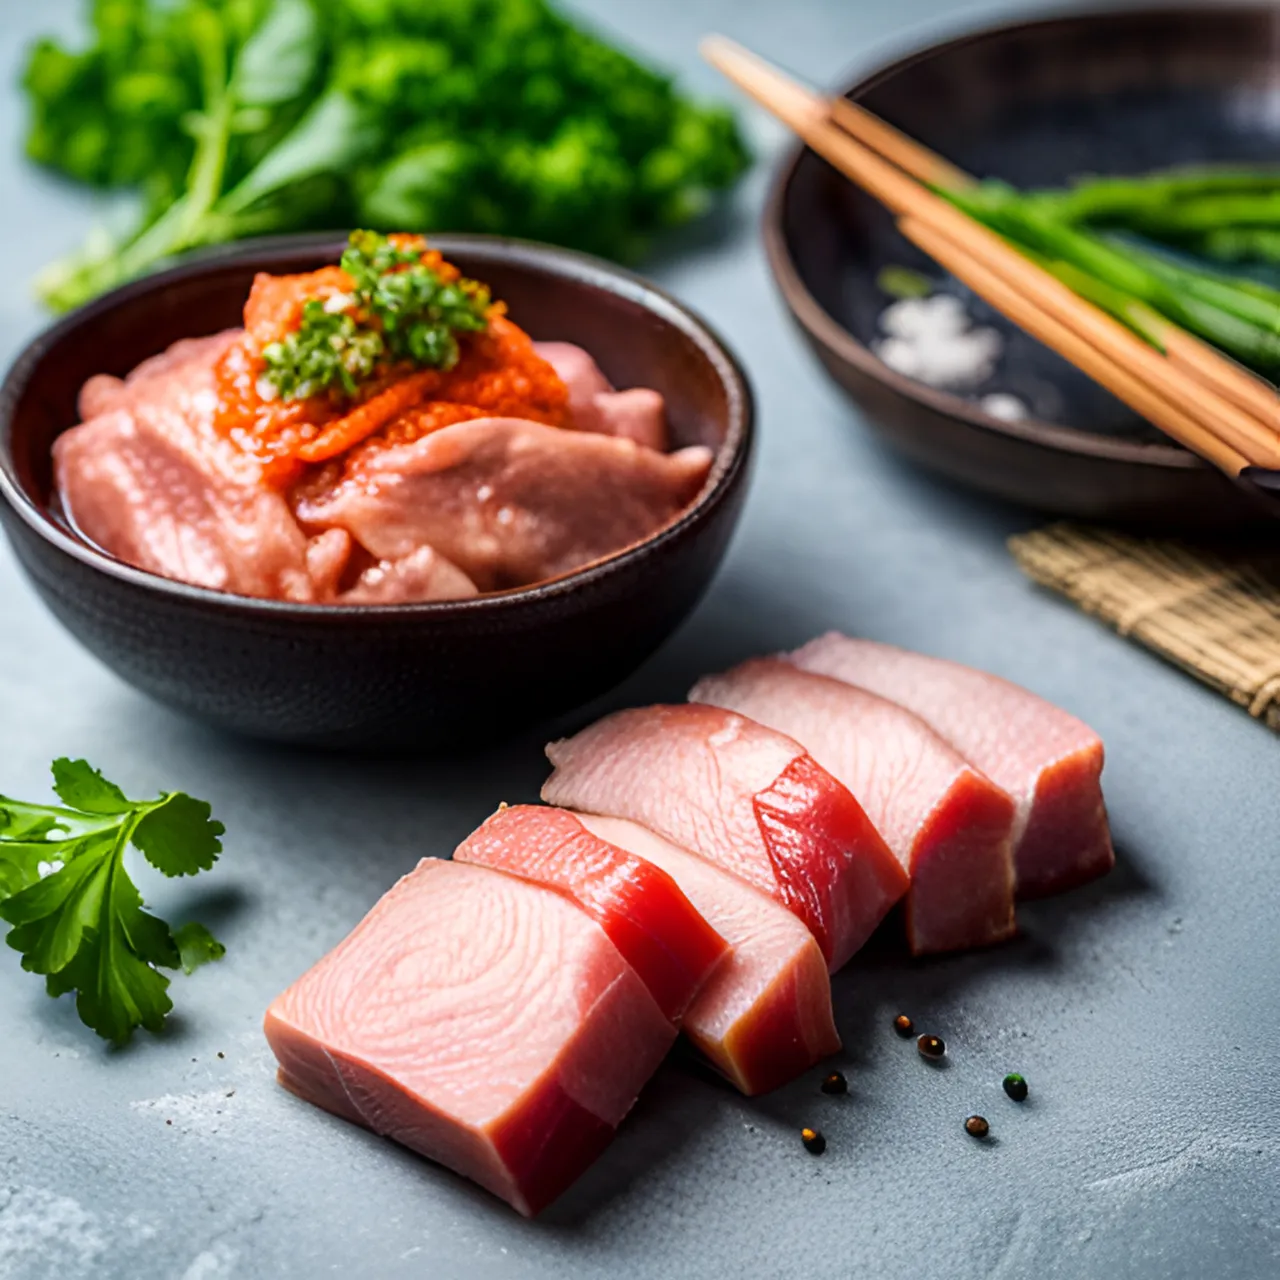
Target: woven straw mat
(1212,610)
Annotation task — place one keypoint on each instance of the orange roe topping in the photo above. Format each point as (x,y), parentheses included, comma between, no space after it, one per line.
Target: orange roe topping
(498,375)
(275,302)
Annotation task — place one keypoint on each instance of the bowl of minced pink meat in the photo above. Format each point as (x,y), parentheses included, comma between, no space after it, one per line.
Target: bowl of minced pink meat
(375,493)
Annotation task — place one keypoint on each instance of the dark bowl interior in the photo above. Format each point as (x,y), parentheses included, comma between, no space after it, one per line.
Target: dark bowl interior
(1035,103)
(410,676)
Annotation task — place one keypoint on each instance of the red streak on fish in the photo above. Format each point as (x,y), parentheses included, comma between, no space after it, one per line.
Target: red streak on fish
(744,797)
(651,922)
(764,1016)
(950,826)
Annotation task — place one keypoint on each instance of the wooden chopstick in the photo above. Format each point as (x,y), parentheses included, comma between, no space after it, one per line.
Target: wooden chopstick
(1244,389)
(1242,438)
(909,155)
(1138,394)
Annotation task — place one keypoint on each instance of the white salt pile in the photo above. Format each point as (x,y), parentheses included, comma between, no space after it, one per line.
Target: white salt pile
(933,341)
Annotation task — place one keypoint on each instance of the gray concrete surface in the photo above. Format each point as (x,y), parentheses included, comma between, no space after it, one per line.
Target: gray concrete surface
(1143,1011)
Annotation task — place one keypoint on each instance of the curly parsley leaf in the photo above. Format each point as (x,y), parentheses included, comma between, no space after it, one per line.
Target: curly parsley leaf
(76,915)
(232,118)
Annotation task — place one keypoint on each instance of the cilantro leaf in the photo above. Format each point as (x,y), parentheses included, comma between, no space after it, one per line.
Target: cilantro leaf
(179,836)
(79,785)
(20,865)
(117,990)
(20,821)
(82,923)
(197,946)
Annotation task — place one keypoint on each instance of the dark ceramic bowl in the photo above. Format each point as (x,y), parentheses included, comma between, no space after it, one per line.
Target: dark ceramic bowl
(1035,104)
(405,676)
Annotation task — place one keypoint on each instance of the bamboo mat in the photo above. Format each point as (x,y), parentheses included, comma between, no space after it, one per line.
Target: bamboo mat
(1214,610)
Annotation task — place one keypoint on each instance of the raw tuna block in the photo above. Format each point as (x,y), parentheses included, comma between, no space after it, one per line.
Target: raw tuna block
(950,826)
(764,1016)
(481,1020)
(651,922)
(1047,760)
(747,798)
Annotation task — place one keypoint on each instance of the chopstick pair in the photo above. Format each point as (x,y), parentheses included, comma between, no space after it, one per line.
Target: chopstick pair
(1192,392)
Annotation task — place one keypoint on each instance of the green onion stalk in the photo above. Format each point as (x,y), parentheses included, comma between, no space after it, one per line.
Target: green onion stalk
(1242,319)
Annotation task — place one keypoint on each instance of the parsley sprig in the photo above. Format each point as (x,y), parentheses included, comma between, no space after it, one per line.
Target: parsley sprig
(77,916)
(398,311)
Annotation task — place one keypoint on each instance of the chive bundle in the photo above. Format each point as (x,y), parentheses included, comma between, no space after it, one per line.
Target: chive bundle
(1126,245)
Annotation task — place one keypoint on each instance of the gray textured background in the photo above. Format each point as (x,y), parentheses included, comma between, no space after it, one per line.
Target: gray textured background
(1143,1011)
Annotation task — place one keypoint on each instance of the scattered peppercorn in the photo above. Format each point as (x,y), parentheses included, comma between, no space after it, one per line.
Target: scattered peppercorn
(1015,1086)
(977,1127)
(903,1025)
(814,1143)
(835,1083)
(931,1047)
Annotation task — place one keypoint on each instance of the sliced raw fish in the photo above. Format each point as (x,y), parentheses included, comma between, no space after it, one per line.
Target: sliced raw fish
(640,907)
(638,414)
(510,502)
(747,798)
(102,393)
(481,1020)
(950,826)
(422,575)
(764,1016)
(151,482)
(1047,760)
(328,555)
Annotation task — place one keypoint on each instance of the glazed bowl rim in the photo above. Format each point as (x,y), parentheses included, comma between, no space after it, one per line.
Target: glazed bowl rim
(730,459)
(829,333)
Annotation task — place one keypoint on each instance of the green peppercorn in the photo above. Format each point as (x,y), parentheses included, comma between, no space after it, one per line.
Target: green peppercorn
(977,1127)
(835,1083)
(931,1047)
(903,1025)
(814,1143)
(1015,1086)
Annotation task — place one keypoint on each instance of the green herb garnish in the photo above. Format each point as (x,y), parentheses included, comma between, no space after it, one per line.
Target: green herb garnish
(232,118)
(398,311)
(1239,316)
(77,916)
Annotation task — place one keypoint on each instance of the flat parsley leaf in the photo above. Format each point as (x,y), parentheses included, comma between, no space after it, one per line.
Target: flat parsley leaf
(76,915)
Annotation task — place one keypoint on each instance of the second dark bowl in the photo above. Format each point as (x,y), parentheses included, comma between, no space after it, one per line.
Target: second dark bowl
(423,676)
(1034,103)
